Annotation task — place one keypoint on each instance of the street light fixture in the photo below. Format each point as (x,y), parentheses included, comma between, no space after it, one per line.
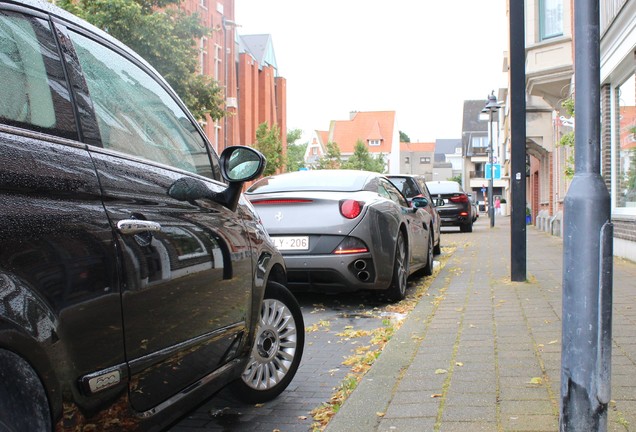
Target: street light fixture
(491,107)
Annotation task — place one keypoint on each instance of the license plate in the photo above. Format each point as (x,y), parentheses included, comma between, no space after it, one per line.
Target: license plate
(291,243)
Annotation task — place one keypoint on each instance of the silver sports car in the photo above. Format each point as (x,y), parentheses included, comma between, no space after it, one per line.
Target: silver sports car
(344,230)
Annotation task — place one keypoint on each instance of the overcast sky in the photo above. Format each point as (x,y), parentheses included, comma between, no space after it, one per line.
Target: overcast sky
(419,58)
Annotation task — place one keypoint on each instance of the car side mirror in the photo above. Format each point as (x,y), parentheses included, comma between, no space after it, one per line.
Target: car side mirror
(241,164)
(238,165)
(419,202)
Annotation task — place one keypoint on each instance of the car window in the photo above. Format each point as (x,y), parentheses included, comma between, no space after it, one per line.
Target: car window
(135,114)
(388,190)
(447,187)
(33,93)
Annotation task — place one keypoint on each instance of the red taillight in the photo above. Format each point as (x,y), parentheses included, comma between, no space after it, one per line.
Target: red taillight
(459,198)
(350,208)
(351,245)
(281,201)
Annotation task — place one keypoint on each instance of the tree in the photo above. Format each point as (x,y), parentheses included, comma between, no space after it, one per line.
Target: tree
(332,159)
(404,137)
(295,152)
(163,35)
(294,135)
(362,159)
(457,178)
(269,143)
(296,156)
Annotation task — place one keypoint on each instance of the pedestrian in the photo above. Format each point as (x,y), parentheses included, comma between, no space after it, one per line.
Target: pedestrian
(497,206)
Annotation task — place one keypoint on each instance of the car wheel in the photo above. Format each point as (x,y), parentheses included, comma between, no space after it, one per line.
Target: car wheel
(428,269)
(397,289)
(23,402)
(437,249)
(466,227)
(278,348)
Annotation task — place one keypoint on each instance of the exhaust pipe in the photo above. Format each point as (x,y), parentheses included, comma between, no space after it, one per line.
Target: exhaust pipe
(359,264)
(363,276)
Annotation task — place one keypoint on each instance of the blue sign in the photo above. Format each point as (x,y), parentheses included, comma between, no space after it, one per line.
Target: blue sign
(496,171)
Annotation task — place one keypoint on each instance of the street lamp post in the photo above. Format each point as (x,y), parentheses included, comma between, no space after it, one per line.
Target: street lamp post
(226,23)
(491,107)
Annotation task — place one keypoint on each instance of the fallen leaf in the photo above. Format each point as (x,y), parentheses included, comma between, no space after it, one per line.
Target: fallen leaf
(380,414)
(536,380)
(553,342)
(302,417)
(436,395)
(440,371)
(459,364)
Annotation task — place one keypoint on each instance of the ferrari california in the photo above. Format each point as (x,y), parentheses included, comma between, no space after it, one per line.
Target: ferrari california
(345,230)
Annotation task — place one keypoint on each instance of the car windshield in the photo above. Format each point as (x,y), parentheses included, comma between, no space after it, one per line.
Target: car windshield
(317,180)
(444,187)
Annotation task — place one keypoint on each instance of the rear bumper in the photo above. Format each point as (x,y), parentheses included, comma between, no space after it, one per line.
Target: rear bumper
(331,273)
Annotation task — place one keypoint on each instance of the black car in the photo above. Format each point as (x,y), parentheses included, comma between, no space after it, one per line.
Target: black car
(453,204)
(413,187)
(135,279)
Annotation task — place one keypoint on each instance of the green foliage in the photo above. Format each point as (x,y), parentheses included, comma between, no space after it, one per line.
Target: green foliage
(296,156)
(166,38)
(567,140)
(457,178)
(332,160)
(294,135)
(362,159)
(404,137)
(568,105)
(269,143)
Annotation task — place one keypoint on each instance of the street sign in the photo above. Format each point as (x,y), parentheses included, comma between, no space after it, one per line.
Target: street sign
(496,171)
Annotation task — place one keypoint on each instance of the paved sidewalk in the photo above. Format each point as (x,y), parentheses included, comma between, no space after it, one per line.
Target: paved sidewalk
(484,353)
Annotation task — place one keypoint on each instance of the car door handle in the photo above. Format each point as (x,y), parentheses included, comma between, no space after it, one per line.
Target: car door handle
(136,226)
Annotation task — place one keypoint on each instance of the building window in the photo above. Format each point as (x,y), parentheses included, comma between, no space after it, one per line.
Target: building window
(203,59)
(625,191)
(203,3)
(425,160)
(374,142)
(407,160)
(479,141)
(550,18)
(217,61)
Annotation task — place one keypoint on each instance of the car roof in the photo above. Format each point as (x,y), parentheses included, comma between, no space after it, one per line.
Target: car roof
(444,186)
(315,180)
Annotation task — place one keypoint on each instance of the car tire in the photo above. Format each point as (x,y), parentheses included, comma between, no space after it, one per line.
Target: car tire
(278,348)
(397,289)
(23,402)
(466,227)
(428,269)
(437,249)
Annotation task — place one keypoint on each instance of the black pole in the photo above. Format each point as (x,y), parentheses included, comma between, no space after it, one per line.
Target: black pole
(491,210)
(587,247)
(517,142)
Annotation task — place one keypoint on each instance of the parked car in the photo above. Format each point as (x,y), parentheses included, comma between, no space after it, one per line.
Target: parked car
(413,186)
(134,282)
(452,204)
(474,207)
(344,230)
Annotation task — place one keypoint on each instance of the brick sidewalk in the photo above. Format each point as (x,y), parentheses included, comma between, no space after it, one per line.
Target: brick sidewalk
(484,353)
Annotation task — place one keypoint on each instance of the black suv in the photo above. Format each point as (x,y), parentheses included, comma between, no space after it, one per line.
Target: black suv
(453,204)
(134,282)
